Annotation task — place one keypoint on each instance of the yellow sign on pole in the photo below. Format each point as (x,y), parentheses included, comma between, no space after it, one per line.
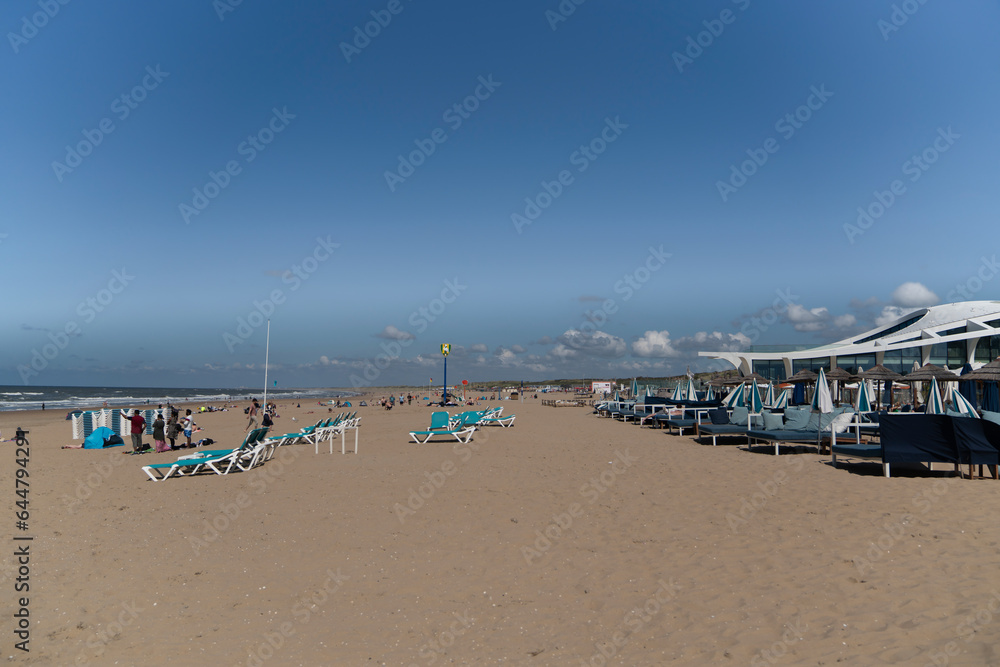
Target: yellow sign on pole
(445,348)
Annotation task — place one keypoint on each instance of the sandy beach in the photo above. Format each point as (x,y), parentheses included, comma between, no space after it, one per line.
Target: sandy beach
(565,540)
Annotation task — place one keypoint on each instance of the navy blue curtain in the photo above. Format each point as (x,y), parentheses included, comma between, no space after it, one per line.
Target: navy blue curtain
(799,394)
(967,388)
(991,397)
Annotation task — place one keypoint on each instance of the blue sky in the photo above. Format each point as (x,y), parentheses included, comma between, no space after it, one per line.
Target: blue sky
(692,164)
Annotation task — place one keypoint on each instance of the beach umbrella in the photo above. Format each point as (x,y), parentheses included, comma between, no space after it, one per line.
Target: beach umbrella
(755,403)
(677,393)
(822,402)
(881,374)
(988,373)
(804,375)
(838,375)
(963,405)
(711,394)
(781,402)
(935,406)
(690,391)
(968,387)
(769,395)
(929,371)
(863,402)
(635,388)
(735,398)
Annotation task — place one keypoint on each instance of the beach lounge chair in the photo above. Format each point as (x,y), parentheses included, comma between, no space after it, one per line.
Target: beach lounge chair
(220,465)
(441,426)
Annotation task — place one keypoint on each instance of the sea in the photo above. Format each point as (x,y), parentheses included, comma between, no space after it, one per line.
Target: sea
(20,397)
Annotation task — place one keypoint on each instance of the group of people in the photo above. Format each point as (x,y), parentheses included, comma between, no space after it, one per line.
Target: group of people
(162,431)
(390,403)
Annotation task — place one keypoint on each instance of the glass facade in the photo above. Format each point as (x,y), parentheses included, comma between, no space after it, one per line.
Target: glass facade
(852,362)
(901,361)
(988,349)
(951,354)
(773,370)
(811,364)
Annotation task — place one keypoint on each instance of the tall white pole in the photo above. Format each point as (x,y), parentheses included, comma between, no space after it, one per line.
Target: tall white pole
(267,348)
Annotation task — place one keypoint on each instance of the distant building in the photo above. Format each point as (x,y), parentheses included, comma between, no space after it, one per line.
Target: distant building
(952,335)
(601,386)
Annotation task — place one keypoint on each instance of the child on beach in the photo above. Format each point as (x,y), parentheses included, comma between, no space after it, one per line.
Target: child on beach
(188,426)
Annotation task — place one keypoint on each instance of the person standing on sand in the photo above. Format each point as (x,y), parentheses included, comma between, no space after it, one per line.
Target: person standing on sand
(253,415)
(158,437)
(188,426)
(173,428)
(138,426)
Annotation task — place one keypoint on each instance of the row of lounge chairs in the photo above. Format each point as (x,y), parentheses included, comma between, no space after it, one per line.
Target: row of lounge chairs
(902,438)
(462,425)
(255,450)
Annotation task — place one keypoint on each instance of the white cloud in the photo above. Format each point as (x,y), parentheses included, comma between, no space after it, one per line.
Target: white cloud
(914,295)
(654,344)
(803,319)
(598,344)
(844,321)
(518,349)
(392,333)
(478,347)
(890,314)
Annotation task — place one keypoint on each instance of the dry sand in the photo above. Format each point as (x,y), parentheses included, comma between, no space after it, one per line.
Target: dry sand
(650,548)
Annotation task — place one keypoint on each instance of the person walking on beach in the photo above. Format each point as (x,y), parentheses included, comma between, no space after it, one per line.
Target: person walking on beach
(253,415)
(158,436)
(138,426)
(173,428)
(188,426)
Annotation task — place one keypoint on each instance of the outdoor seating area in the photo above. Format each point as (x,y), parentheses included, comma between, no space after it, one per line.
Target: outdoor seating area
(255,450)
(462,425)
(941,425)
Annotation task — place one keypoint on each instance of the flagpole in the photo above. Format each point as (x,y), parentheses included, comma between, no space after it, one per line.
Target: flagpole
(267,348)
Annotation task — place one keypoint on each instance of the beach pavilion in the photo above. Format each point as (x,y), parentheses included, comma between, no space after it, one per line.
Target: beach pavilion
(951,335)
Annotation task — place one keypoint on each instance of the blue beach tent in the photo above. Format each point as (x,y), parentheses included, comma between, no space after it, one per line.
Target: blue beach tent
(102,437)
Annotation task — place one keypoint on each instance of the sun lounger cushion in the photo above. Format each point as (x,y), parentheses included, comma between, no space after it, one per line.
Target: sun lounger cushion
(784,435)
(740,416)
(955,413)
(841,421)
(863,451)
(796,420)
(773,422)
(721,416)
